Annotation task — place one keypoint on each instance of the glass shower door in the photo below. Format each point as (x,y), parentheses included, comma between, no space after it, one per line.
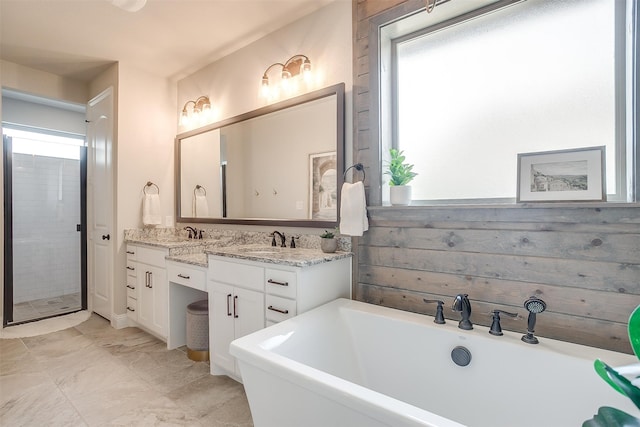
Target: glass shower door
(48,176)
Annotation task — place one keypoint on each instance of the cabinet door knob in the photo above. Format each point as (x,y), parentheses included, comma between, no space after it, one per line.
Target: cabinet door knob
(130,287)
(229,305)
(182,276)
(275,282)
(130,309)
(106,237)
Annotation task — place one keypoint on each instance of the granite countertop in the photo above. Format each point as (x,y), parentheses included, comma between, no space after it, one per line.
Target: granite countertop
(297,257)
(169,242)
(199,259)
(194,252)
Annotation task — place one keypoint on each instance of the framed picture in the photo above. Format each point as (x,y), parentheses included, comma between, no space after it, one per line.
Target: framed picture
(562,176)
(323,186)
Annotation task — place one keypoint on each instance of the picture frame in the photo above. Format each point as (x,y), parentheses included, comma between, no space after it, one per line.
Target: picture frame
(562,176)
(323,186)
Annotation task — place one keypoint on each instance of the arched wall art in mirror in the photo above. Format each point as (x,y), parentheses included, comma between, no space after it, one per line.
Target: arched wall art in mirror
(278,165)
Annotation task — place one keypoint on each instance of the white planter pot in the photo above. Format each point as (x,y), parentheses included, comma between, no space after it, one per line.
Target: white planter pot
(400,195)
(328,245)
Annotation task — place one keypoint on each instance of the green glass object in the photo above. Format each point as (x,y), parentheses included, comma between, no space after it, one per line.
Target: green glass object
(617,381)
(611,417)
(634,331)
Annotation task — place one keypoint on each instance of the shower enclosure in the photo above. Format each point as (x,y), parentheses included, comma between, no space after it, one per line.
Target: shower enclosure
(45,236)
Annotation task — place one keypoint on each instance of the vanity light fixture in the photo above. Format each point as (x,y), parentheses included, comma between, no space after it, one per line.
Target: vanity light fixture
(296,65)
(200,113)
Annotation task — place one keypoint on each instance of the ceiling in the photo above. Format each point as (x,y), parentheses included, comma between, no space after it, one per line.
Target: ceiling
(170,38)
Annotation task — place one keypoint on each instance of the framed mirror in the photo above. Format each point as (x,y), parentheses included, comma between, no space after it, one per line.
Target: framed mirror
(279,165)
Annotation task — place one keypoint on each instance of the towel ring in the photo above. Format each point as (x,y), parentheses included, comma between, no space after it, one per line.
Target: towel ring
(199,187)
(150,184)
(358,167)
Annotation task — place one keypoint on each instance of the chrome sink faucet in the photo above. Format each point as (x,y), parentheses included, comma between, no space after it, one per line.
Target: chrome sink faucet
(283,239)
(462,304)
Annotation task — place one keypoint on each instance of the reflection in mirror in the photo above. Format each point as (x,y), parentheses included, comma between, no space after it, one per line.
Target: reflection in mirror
(201,186)
(278,164)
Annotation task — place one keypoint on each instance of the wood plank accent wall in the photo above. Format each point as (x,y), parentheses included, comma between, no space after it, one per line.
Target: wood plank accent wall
(582,259)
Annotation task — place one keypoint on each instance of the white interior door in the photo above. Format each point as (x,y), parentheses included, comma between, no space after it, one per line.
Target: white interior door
(100,203)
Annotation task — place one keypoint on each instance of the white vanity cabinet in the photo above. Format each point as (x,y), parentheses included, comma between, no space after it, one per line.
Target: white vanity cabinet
(293,290)
(236,308)
(152,294)
(245,296)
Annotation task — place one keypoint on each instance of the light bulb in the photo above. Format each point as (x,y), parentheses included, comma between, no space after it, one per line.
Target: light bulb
(206,113)
(264,88)
(184,118)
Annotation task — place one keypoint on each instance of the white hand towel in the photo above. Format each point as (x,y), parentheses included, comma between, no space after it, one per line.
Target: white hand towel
(201,207)
(151,214)
(353,209)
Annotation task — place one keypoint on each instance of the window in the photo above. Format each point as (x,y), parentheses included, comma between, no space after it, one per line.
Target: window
(465,96)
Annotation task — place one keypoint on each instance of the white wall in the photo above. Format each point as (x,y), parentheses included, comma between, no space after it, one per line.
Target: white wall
(233,82)
(43,84)
(145,145)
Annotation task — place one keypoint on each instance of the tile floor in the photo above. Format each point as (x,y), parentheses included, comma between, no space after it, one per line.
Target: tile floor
(45,307)
(94,375)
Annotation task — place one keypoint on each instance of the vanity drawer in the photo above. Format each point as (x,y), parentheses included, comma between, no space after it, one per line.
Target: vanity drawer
(131,253)
(151,256)
(132,308)
(280,282)
(131,270)
(279,309)
(187,276)
(131,289)
(131,281)
(232,273)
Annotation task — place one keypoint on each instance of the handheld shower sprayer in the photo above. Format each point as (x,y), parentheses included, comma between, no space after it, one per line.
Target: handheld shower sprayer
(534,306)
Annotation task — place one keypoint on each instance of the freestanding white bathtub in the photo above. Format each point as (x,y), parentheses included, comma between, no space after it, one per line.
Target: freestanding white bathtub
(354,364)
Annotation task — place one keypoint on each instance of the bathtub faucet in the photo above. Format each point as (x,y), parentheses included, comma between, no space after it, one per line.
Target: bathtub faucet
(462,304)
(439,318)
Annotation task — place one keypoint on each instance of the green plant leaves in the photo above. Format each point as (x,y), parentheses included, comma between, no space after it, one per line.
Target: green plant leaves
(401,173)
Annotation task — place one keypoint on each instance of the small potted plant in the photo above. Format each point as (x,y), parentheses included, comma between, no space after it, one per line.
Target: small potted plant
(401,175)
(328,241)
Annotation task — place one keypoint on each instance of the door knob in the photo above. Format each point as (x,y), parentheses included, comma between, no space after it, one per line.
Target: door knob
(106,237)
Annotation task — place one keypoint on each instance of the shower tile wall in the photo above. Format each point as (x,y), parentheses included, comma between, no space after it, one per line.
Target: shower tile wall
(46,209)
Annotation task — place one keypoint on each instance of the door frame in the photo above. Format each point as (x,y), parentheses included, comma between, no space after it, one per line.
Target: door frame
(7,164)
